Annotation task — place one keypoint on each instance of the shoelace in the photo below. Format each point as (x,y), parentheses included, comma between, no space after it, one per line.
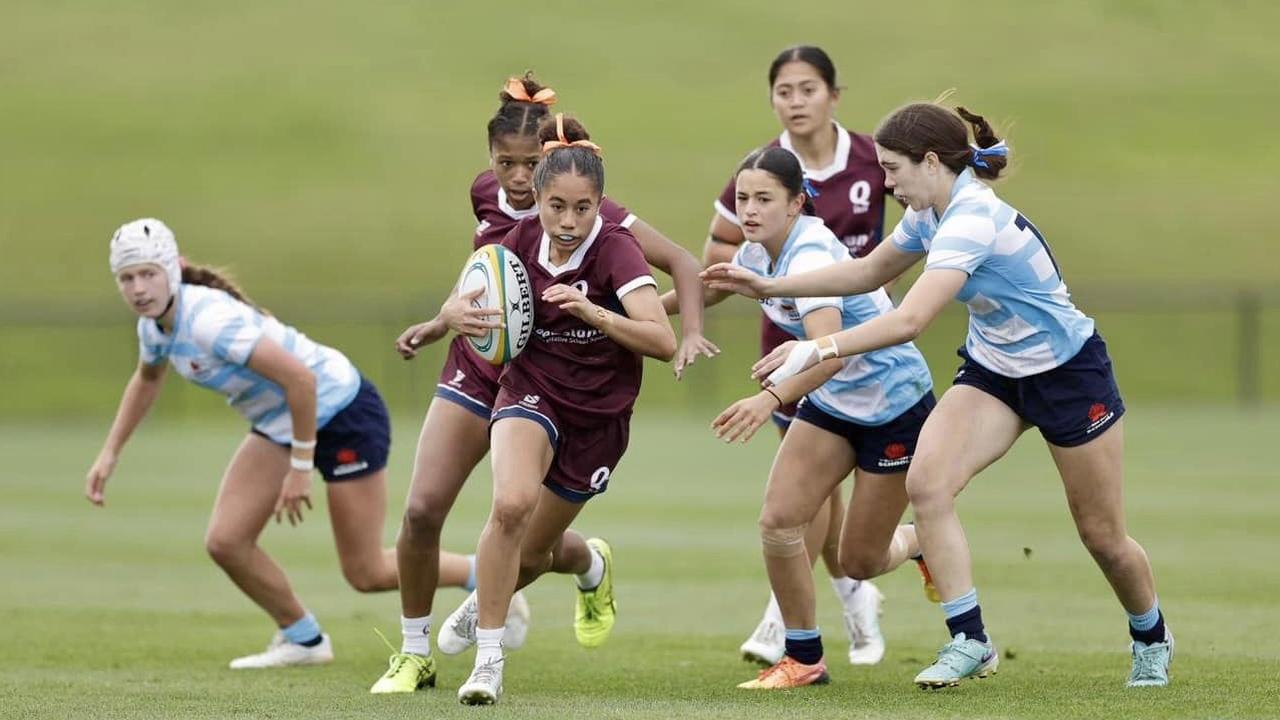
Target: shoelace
(1146,663)
(465,625)
(398,659)
(487,672)
(953,655)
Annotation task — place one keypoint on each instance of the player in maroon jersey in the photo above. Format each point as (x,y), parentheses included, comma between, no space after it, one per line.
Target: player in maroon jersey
(561,419)
(455,434)
(848,194)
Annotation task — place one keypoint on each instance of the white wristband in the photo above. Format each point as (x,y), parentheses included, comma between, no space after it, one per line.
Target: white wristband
(301,445)
(300,464)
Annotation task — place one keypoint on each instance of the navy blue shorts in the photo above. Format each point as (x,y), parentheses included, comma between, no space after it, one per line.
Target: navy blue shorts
(1070,404)
(883,449)
(356,441)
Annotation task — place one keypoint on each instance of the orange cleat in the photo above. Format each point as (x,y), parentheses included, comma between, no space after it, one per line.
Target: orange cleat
(788,673)
(930,590)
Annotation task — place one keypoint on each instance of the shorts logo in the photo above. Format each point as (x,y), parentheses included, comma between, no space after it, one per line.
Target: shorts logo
(960,373)
(531,400)
(457,379)
(894,456)
(348,462)
(1099,415)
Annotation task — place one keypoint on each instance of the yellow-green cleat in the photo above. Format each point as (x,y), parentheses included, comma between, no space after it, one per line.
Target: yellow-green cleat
(596,611)
(408,672)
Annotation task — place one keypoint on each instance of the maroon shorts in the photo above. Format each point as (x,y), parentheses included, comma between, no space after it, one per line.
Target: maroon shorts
(468,379)
(771,336)
(586,453)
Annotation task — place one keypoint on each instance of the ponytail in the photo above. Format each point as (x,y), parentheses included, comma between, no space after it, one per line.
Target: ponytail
(218,280)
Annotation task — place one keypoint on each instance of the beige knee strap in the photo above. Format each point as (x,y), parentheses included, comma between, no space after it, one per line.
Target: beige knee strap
(783,542)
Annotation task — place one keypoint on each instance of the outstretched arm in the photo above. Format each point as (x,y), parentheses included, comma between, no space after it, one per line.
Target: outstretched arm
(139,395)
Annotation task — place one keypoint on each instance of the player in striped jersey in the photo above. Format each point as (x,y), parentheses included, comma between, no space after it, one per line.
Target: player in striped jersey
(1031,358)
(849,197)
(307,406)
(861,415)
(455,433)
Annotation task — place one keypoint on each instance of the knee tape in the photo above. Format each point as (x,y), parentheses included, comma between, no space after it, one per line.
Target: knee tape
(783,542)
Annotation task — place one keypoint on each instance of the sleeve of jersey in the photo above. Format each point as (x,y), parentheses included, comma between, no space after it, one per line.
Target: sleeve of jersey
(615,213)
(227,332)
(963,242)
(627,268)
(803,261)
(726,203)
(149,353)
(906,234)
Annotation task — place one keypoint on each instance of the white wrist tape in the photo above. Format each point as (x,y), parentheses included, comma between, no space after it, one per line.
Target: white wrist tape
(300,464)
(802,356)
(827,348)
(302,445)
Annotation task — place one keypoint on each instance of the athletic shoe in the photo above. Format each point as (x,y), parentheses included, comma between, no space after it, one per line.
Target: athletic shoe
(596,610)
(930,590)
(281,653)
(766,645)
(408,673)
(862,621)
(959,659)
(484,687)
(788,673)
(1151,662)
(459,630)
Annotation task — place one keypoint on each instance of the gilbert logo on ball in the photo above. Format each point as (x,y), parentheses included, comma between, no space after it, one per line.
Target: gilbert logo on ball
(505,284)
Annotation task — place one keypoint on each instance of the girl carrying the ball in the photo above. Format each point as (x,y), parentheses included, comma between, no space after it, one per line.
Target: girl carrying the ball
(562,415)
(455,433)
(1031,358)
(308,409)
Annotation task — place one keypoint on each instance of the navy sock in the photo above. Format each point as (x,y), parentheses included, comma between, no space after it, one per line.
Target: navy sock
(312,642)
(1154,634)
(968,622)
(806,649)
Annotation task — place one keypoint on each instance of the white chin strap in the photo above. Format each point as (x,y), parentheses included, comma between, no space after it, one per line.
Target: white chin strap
(147,241)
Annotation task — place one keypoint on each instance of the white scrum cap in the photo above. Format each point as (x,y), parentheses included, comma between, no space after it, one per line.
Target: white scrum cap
(146,241)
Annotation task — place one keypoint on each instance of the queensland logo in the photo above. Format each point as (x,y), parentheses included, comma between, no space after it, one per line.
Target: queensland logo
(860,197)
(531,400)
(457,377)
(348,462)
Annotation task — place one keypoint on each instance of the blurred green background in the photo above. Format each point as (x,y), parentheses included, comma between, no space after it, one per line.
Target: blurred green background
(323,152)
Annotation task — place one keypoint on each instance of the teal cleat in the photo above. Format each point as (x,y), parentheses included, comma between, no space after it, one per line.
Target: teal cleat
(1151,663)
(959,659)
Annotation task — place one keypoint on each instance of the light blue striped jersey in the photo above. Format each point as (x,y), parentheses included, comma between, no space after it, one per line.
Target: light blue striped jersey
(872,388)
(1021,319)
(212,337)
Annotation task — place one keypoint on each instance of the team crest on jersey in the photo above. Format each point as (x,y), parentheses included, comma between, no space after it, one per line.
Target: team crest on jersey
(860,197)
(581,286)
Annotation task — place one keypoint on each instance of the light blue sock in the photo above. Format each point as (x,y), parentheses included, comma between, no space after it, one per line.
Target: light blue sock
(1146,620)
(962,604)
(304,631)
(800,634)
(471,573)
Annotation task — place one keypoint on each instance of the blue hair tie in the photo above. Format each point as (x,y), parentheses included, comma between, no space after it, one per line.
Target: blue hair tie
(809,189)
(997,150)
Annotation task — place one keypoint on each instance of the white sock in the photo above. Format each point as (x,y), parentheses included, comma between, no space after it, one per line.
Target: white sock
(488,645)
(417,635)
(845,587)
(595,574)
(772,612)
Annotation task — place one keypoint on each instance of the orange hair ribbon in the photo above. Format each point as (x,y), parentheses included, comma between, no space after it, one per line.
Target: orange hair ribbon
(515,88)
(562,142)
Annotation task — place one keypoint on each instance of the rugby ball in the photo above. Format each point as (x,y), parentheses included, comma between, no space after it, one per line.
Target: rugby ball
(505,284)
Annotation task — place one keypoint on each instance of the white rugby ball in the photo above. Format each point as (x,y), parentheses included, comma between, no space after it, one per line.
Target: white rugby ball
(505,284)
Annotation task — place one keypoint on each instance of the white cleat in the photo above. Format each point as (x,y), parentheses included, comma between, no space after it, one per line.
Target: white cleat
(862,621)
(484,687)
(280,653)
(766,645)
(459,630)
(516,628)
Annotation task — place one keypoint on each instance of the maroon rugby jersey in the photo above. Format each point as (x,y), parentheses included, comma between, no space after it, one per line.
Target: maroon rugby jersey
(584,373)
(851,192)
(496,217)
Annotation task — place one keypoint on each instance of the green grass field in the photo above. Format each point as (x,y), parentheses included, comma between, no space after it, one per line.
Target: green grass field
(117,612)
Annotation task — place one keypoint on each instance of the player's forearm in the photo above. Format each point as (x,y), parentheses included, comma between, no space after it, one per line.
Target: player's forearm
(685,273)
(139,395)
(893,328)
(847,277)
(651,338)
(806,382)
(300,395)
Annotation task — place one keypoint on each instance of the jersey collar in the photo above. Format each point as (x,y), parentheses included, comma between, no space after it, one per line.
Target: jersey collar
(575,259)
(838,164)
(511,212)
